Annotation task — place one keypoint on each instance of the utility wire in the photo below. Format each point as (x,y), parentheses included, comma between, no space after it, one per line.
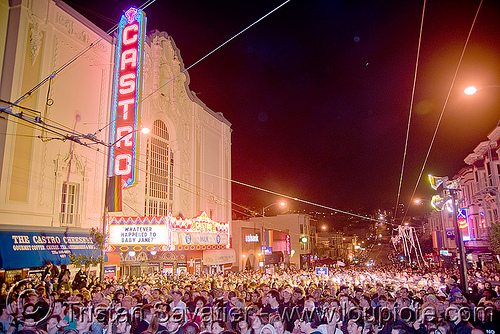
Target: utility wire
(446,102)
(214,50)
(290,197)
(39,123)
(411,109)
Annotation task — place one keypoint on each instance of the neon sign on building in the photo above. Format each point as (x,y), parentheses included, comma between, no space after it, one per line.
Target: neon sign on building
(126,106)
(463,223)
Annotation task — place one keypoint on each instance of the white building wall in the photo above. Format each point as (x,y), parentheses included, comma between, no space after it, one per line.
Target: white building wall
(41,38)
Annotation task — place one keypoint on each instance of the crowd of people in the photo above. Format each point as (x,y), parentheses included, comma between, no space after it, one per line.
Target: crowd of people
(349,300)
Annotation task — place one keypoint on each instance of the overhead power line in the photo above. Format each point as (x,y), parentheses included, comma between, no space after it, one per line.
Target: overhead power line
(445,104)
(411,108)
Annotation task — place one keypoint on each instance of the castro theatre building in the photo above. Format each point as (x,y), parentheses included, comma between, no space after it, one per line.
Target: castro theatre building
(56,184)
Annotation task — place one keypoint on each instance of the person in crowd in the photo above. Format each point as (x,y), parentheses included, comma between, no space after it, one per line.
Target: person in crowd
(268,329)
(298,296)
(83,321)
(191,328)
(52,325)
(218,326)
(148,315)
(6,319)
(243,327)
(80,280)
(257,322)
(331,321)
(489,287)
(51,270)
(273,297)
(174,323)
(459,324)
(355,326)
(177,305)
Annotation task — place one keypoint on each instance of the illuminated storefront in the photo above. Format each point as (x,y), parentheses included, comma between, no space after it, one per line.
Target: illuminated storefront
(262,248)
(169,244)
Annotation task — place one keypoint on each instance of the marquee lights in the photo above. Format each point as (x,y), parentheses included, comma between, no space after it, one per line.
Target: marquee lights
(158,231)
(202,223)
(126,107)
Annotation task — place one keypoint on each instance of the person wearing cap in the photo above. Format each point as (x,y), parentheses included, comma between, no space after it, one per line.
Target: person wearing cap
(298,296)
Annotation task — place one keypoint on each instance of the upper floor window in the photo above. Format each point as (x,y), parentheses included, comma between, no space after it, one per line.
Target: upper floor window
(69,205)
(159,172)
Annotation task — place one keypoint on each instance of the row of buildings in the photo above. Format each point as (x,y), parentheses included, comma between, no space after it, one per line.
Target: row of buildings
(477,206)
(72,155)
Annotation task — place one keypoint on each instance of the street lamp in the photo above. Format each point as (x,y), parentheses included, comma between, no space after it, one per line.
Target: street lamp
(144,130)
(282,204)
(450,189)
(471,90)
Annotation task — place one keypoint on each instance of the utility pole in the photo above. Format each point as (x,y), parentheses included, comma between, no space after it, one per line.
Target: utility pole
(462,266)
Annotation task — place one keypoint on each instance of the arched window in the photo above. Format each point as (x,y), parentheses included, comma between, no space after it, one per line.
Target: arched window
(159,172)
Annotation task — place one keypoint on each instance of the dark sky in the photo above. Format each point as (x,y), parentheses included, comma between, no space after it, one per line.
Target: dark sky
(318,93)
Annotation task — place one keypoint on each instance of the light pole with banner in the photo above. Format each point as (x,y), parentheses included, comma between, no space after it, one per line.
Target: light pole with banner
(450,191)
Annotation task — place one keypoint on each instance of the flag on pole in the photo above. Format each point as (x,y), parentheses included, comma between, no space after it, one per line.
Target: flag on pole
(114,193)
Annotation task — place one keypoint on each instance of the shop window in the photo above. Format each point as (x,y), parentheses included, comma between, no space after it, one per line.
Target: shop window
(159,172)
(69,215)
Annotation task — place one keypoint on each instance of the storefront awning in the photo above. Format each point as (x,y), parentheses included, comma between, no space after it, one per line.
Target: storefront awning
(27,249)
(220,256)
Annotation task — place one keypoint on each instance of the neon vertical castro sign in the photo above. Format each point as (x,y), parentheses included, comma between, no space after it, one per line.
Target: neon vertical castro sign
(126,107)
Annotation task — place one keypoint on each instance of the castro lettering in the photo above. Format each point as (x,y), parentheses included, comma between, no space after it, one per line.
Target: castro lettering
(126,105)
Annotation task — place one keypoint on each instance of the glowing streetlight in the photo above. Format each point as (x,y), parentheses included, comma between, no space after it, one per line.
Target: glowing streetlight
(471,90)
(128,135)
(323,227)
(282,204)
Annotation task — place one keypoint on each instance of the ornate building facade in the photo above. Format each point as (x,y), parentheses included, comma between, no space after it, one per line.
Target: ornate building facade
(56,95)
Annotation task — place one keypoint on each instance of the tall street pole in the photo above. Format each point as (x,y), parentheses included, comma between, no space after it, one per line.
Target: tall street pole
(462,267)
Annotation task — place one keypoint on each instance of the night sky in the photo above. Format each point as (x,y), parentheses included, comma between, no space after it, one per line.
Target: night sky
(319,92)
